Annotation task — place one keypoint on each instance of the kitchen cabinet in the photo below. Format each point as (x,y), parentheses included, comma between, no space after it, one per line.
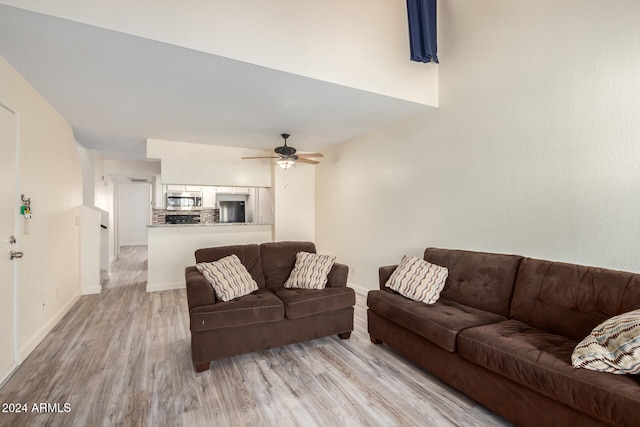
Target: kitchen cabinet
(232,190)
(174,187)
(224,190)
(208,197)
(208,193)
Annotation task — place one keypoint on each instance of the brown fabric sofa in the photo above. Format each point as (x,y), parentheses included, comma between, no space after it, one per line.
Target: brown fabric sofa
(272,316)
(503,332)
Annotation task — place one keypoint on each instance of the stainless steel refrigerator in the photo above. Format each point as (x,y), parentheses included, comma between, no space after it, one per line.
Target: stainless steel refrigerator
(232,211)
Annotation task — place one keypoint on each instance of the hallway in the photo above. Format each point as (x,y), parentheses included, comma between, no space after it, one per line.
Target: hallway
(106,355)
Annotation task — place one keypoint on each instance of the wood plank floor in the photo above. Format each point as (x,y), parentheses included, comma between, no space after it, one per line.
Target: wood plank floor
(122,358)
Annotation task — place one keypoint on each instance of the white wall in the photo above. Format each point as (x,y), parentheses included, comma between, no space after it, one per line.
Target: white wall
(357,43)
(49,174)
(294,194)
(534,150)
(266,205)
(134,213)
(131,168)
(87,160)
(203,164)
(90,250)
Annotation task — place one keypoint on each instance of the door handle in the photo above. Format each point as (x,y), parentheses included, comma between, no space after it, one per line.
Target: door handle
(14,254)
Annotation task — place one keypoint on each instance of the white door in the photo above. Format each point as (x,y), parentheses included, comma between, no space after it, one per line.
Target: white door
(134,213)
(8,133)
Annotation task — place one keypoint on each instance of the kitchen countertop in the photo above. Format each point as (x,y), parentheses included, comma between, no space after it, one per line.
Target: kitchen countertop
(213,224)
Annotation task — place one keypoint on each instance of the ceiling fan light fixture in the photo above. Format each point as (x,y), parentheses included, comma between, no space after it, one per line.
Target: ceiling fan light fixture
(285,163)
(287,156)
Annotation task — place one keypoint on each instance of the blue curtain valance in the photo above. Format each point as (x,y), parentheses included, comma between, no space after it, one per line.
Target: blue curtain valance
(422,30)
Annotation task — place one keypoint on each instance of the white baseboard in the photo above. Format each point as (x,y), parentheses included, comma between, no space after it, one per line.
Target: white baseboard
(30,345)
(8,374)
(91,290)
(165,286)
(359,290)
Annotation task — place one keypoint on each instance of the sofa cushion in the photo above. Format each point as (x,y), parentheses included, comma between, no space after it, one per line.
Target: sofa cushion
(199,290)
(278,259)
(310,271)
(613,346)
(229,278)
(259,307)
(541,361)
(440,323)
(569,299)
(249,256)
(418,280)
(338,275)
(477,279)
(306,302)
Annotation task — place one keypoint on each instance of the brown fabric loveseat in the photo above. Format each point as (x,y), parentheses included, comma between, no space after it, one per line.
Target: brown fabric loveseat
(503,332)
(270,317)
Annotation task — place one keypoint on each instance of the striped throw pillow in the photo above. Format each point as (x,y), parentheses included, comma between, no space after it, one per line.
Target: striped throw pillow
(613,346)
(418,279)
(228,277)
(310,271)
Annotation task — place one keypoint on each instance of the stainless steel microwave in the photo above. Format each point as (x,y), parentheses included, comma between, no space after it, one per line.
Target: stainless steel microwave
(184,200)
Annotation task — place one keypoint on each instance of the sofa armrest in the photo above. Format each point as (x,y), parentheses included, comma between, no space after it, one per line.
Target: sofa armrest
(199,290)
(337,277)
(384,273)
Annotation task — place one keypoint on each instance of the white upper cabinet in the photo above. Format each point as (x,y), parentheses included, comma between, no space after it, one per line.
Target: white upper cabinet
(173,187)
(208,197)
(233,190)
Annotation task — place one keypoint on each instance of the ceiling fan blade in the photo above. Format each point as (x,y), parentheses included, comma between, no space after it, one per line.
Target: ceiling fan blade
(309,161)
(309,155)
(270,157)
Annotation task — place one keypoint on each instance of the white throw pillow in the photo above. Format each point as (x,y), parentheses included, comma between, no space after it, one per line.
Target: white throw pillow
(310,271)
(418,279)
(613,346)
(229,278)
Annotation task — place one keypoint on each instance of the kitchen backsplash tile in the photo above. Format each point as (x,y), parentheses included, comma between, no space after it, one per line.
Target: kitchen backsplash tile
(206,215)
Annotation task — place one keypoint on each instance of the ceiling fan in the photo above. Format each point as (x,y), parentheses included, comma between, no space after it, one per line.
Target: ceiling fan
(287,156)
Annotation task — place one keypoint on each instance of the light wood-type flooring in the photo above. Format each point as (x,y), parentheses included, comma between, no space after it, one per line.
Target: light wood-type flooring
(122,358)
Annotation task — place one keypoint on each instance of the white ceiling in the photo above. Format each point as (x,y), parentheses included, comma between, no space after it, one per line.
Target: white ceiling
(117,90)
